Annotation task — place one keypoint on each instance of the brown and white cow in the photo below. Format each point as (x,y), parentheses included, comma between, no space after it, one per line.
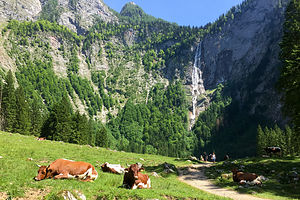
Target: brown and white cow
(134,179)
(273,150)
(113,168)
(67,169)
(243,177)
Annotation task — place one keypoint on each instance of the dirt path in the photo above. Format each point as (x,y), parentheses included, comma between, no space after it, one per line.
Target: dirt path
(195,177)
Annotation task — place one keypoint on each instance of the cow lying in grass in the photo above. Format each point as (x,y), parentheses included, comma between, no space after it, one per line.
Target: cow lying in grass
(134,179)
(113,168)
(273,150)
(245,178)
(67,169)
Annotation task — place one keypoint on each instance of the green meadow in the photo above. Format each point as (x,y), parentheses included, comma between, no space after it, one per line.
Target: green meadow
(20,154)
(282,175)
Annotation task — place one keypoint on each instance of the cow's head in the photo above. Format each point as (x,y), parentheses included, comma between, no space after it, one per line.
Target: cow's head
(234,170)
(133,170)
(104,164)
(42,173)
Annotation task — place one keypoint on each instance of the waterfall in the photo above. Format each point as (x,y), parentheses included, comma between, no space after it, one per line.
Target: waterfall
(197,83)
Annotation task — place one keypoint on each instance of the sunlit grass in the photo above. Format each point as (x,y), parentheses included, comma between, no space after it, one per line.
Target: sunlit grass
(278,186)
(17,171)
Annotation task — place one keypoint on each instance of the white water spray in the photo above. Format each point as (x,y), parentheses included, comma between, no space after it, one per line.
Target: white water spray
(197,83)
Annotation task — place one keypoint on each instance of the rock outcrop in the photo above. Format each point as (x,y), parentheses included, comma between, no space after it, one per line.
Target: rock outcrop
(80,16)
(20,10)
(245,53)
(77,15)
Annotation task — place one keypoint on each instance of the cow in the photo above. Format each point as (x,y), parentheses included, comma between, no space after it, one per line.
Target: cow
(41,138)
(226,157)
(273,150)
(67,169)
(240,177)
(113,168)
(134,179)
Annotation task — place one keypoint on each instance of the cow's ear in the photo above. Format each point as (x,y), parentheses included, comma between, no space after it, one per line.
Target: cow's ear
(141,169)
(126,170)
(48,169)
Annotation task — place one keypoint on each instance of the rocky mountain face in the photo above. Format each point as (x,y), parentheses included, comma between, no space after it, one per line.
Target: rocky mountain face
(21,10)
(77,15)
(244,54)
(133,55)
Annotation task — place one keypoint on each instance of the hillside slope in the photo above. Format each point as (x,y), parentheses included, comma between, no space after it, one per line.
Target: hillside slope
(20,154)
(147,81)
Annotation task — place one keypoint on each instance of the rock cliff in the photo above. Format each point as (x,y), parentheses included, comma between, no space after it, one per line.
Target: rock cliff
(80,15)
(77,15)
(20,10)
(244,53)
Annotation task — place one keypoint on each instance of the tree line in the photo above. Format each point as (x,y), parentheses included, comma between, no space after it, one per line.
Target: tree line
(40,105)
(19,114)
(289,86)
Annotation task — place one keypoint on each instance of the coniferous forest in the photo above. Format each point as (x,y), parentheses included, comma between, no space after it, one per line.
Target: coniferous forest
(138,103)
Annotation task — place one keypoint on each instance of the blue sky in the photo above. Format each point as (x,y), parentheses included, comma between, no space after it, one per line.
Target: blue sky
(182,12)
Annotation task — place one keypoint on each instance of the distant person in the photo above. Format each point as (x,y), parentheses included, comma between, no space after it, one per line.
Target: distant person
(201,158)
(226,157)
(213,157)
(205,156)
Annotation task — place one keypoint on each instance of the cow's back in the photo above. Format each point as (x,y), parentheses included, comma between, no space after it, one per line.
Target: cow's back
(73,168)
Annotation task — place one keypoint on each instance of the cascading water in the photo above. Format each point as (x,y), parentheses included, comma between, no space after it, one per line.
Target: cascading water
(197,83)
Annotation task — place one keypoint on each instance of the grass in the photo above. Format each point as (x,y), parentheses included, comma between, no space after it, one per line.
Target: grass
(282,173)
(17,171)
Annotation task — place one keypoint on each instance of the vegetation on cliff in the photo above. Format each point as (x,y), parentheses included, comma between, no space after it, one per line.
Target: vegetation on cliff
(121,85)
(289,82)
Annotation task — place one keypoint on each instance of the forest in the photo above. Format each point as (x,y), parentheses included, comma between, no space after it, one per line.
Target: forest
(141,118)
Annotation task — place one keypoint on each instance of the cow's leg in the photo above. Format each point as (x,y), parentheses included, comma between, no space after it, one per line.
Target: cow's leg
(149,183)
(90,175)
(62,176)
(94,175)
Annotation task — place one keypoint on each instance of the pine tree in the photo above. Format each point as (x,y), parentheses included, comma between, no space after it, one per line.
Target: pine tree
(102,137)
(36,116)
(80,129)
(289,141)
(261,141)
(289,82)
(279,137)
(9,107)
(23,125)
(268,136)
(58,125)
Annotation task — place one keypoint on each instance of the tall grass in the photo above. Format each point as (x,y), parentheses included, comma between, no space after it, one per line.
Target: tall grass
(17,171)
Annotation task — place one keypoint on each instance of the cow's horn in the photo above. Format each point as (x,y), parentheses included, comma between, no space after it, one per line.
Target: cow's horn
(38,165)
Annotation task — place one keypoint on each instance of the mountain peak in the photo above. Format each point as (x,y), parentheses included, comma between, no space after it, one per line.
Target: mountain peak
(132,10)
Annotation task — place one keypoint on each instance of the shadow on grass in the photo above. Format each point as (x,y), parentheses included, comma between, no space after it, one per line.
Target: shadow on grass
(283,175)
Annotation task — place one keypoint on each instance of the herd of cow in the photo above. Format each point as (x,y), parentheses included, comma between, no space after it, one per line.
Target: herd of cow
(133,178)
(66,169)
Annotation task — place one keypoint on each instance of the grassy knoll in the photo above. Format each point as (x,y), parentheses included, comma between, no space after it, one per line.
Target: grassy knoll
(17,171)
(283,176)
